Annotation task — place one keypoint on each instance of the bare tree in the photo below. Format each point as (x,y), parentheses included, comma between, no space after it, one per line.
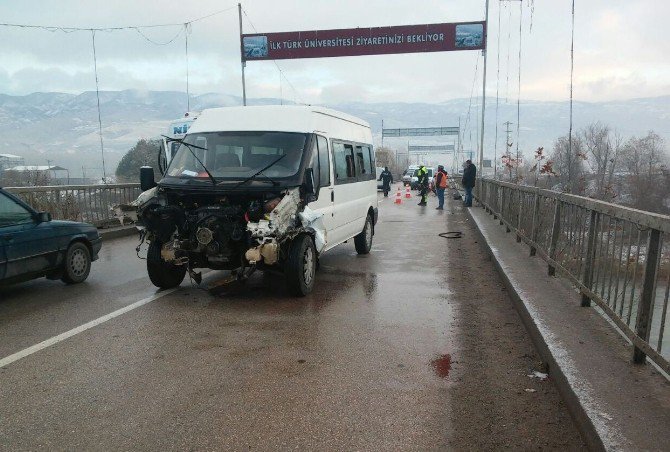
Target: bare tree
(387,157)
(645,162)
(569,164)
(601,153)
(30,178)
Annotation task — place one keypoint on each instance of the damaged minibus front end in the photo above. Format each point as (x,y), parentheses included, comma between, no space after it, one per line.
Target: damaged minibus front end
(233,201)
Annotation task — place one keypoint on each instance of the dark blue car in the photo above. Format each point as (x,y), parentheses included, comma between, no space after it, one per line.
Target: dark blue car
(33,245)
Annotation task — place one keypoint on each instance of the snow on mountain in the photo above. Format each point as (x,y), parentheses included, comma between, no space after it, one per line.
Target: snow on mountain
(64,127)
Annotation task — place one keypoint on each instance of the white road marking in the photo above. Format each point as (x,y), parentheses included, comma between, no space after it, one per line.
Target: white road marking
(80,329)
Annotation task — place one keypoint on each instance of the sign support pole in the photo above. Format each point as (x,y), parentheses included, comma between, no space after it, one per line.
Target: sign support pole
(244,87)
(485,50)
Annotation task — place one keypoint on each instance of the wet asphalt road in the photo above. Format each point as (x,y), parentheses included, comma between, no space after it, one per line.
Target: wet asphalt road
(368,361)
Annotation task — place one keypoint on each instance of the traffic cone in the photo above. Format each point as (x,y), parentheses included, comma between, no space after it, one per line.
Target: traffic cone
(408,193)
(398,197)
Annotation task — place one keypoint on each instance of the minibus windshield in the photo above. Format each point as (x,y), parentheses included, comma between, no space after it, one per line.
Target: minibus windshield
(239,155)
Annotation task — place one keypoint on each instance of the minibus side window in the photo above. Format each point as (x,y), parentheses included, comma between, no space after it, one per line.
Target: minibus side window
(324,163)
(345,168)
(364,162)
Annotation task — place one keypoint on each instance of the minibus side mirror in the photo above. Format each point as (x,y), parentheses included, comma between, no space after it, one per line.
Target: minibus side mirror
(310,189)
(147,181)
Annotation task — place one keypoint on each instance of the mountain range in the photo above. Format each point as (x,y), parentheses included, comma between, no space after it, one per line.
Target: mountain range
(63,128)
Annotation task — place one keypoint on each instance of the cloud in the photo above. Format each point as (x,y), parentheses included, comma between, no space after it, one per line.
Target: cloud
(617,43)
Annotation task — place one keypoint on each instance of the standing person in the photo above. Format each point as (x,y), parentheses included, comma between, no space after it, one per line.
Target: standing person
(422,175)
(387,179)
(441,184)
(468,181)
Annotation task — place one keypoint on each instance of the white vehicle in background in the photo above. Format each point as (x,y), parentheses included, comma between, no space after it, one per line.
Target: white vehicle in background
(260,187)
(177,130)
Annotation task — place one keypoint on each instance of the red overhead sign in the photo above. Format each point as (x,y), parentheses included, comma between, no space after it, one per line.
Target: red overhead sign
(364,41)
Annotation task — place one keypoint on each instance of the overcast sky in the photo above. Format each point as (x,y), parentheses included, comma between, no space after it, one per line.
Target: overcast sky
(621,49)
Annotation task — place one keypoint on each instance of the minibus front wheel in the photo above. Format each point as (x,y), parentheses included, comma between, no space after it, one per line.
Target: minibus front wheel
(301,265)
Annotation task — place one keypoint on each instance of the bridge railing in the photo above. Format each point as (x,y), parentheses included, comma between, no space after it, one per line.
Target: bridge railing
(90,203)
(616,256)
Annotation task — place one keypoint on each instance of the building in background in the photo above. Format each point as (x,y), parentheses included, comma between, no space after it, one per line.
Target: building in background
(10,161)
(35,175)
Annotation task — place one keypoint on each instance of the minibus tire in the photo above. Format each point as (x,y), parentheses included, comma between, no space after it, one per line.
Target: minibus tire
(163,274)
(299,278)
(363,241)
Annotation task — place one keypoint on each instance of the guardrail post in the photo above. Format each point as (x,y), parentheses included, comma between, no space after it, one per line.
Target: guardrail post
(495,202)
(518,218)
(502,206)
(590,257)
(533,231)
(645,306)
(555,230)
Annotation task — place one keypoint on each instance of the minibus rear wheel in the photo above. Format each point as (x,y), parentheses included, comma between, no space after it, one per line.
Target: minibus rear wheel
(363,241)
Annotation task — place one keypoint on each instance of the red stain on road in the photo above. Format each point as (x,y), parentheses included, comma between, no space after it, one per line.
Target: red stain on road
(442,365)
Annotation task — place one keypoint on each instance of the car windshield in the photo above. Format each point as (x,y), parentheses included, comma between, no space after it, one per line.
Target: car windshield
(238,155)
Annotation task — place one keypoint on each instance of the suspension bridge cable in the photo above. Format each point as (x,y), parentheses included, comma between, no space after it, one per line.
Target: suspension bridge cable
(188,95)
(509,40)
(572,75)
(281,72)
(139,31)
(495,146)
(472,91)
(518,99)
(97,95)
(127,27)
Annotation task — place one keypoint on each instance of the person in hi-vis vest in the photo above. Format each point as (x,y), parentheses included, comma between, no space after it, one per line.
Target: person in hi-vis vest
(441,184)
(422,175)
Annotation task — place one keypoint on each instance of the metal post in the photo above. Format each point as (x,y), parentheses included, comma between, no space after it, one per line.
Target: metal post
(555,230)
(590,257)
(645,307)
(244,63)
(383,134)
(486,34)
(536,214)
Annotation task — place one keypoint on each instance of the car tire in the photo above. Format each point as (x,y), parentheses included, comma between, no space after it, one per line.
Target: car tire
(300,267)
(77,263)
(363,241)
(163,275)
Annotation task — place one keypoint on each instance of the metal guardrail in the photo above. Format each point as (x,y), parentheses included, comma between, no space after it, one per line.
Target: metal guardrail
(90,203)
(616,256)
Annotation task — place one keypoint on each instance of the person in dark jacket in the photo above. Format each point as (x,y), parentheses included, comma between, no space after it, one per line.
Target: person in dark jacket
(468,181)
(387,179)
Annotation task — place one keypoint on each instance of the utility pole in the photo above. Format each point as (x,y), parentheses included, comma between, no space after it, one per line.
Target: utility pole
(486,34)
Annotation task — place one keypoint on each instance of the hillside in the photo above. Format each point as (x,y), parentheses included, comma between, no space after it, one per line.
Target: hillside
(64,129)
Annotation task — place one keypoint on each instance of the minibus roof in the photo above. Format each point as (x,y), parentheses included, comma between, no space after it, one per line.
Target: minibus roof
(285,118)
